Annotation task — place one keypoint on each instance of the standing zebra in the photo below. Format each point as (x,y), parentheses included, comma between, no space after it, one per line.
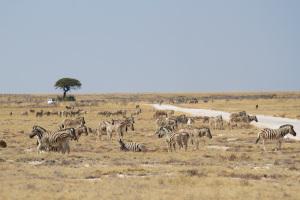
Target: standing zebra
(170,137)
(216,122)
(131,146)
(275,134)
(53,140)
(196,134)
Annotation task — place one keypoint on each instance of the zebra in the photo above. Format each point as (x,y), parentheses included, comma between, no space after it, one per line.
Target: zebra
(216,122)
(71,123)
(118,126)
(39,113)
(170,137)
(166,122)
(131,146)
(196,134)
(242,119)
(275,134)
(50,141)
(79,130)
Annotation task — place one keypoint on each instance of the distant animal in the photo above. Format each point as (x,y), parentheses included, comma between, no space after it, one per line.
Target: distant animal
(32,110)
(24,113)
(238,114)
(131,146)
(160,113)
(275,134)
(170,112)
(256,106)
(71,123)
(69,107)
(39,113)
(10,113)
(246,119)
(216,122)
(166,122)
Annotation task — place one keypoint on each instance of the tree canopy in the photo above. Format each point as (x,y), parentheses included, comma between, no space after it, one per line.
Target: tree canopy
(67,84)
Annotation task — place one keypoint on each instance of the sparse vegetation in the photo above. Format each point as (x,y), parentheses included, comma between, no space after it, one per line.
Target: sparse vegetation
(229,166)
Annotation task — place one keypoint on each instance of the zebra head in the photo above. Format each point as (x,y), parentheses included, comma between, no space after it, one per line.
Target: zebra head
(162,131)
(130,123)
(37,130)
(289,128)
(84,130)
(73,134)
(253,118)
(122,145)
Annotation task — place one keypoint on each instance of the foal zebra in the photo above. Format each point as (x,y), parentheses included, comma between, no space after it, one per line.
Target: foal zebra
(131,146)
(275,134)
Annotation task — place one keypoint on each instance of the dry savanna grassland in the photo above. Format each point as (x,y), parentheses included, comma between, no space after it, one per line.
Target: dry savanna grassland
(228,166)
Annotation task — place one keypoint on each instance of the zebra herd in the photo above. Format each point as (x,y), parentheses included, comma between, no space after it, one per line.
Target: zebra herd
(178,132)
(58,141)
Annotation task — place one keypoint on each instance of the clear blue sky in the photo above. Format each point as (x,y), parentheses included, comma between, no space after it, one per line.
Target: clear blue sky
(150,46)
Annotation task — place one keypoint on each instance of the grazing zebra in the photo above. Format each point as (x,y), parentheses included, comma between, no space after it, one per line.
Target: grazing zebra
(170,137)
(238,114)
(50,141)
(196,134)
(131,146)
(216,122)
(275,134)
(242,119)
(71,123)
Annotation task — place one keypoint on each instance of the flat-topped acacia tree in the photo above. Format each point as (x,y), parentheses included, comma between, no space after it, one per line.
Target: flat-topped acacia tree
(67,84)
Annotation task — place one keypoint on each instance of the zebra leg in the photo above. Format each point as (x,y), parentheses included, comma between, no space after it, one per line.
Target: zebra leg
(197,144)
(39,148)
(264,144)
(279,144)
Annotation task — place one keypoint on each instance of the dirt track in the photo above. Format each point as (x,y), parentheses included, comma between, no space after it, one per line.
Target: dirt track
(263,120)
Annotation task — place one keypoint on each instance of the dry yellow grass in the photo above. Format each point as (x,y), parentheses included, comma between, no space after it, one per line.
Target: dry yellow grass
(98,170)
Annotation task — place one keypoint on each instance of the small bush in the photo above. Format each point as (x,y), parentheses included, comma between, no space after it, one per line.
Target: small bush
(67,98)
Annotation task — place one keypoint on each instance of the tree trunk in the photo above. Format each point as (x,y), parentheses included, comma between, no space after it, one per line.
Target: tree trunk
(65,93)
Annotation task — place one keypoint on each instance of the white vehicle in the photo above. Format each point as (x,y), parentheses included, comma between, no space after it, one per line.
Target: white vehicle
(51,101)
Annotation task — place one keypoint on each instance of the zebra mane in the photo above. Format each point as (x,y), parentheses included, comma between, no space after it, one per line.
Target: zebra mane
(286,125)
(39,128)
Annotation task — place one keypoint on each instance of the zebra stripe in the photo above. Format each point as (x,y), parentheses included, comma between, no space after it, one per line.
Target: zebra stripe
(131,146)
(275,134)
(56,141)
(170,137)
